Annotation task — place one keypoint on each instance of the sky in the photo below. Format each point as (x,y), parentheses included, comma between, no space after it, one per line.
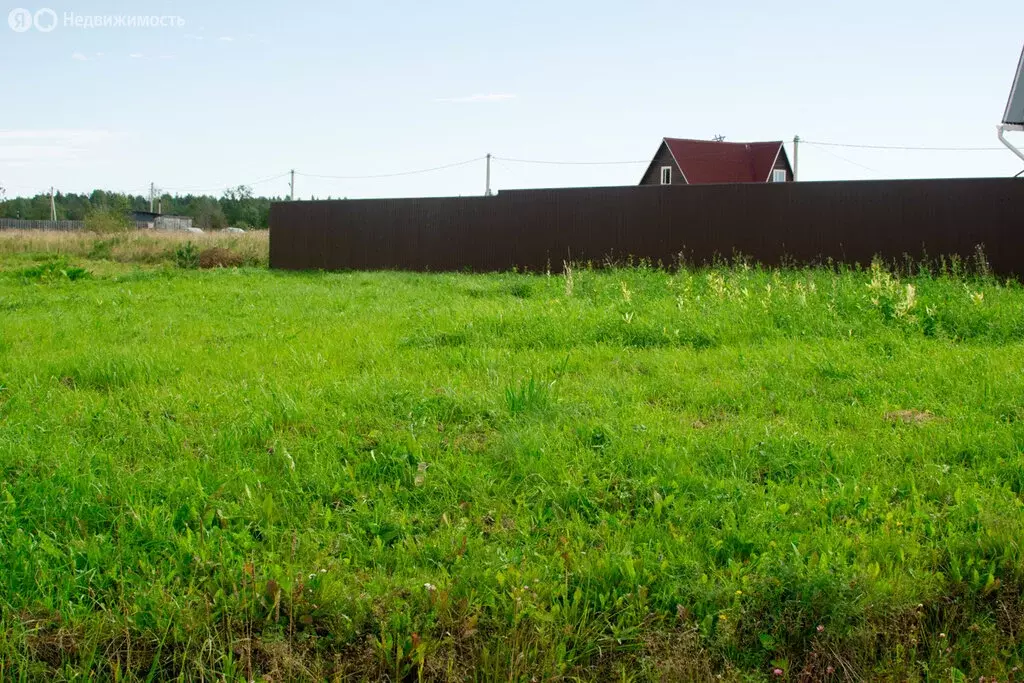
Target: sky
(230,93)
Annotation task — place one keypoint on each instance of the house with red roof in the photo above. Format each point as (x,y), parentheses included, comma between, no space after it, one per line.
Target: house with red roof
(701,162)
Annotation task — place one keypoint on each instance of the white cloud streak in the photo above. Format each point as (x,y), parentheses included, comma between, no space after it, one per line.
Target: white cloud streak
(50,145)
(469,99)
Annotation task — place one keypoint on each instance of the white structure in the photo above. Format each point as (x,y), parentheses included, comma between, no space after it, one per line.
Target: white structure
(1013,117)
(172,223)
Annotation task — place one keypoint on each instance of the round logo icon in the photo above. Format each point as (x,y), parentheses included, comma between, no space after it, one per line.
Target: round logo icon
(20,20)
(46,20)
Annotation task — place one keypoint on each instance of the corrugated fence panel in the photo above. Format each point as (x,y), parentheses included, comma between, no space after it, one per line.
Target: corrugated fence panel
(20,224)
(73,226)
(847,222)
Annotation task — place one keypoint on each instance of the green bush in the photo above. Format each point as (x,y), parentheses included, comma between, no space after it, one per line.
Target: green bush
(105,221)
(53,270)
(187,256)
(103,250)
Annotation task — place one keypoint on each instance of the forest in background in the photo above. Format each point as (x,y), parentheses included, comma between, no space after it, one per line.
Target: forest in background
(237,207)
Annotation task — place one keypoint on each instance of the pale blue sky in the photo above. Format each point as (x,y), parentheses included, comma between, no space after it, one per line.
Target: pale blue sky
(245,91)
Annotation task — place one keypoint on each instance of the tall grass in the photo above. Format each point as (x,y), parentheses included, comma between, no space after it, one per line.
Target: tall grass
(134,246)
(629,474)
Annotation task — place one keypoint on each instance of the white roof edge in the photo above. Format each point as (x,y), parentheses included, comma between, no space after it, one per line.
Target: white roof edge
(1016,96)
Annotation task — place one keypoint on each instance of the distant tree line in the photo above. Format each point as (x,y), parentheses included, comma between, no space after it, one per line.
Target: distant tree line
(237,207)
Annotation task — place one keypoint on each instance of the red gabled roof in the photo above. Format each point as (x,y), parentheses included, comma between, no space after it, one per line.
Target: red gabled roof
(707,161)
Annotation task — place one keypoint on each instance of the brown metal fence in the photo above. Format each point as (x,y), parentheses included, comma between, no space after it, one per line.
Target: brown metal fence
(773,224)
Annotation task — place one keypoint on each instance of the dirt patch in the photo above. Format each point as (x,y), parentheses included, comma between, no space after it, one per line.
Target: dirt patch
(470,442)
(677,655)
(910,416)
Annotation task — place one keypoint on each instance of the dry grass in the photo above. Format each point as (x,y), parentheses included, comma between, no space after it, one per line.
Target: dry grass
(137,246)
(219,257)
(910,416)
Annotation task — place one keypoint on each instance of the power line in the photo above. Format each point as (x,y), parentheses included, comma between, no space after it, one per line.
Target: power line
(223,185)
(817,143)
(390,175)
(572,163)
(905,148)
(849,161)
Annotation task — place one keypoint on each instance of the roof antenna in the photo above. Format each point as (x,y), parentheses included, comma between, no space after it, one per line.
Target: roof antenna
(719,138)
(1013,117)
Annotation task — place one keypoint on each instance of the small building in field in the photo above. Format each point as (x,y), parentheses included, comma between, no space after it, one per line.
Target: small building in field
(702,162)
(159,221)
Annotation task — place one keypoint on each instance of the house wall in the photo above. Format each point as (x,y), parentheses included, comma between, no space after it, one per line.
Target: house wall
(173,223)
(662,158)
(783,163)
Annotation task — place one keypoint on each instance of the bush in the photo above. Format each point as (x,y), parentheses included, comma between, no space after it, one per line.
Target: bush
(105,221)
(103,250)
(52,271)
(218,257)
(187,256)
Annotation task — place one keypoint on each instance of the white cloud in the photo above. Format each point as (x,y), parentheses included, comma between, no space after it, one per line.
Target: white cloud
(50,145)
(192,36)
(225,39)
(79,57)
(167,56)
(136,55)
(79,134)
(490,97)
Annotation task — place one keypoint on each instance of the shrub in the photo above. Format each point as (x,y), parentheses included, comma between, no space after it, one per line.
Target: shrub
(187,256)
(52,271)
(103,250)
(104,221)
(218,257)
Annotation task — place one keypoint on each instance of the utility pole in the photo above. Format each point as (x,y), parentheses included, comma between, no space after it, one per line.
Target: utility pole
(152,190)
(291,193)
(796,156)
(487,192)
(53,206)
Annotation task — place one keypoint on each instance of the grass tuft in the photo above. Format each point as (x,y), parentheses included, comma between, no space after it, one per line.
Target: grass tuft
(527,396)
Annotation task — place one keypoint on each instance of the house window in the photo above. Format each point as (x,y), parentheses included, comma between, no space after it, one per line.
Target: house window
(666,175)
(779,175)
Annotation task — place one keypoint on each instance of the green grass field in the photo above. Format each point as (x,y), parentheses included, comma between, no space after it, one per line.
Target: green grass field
(626,474)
